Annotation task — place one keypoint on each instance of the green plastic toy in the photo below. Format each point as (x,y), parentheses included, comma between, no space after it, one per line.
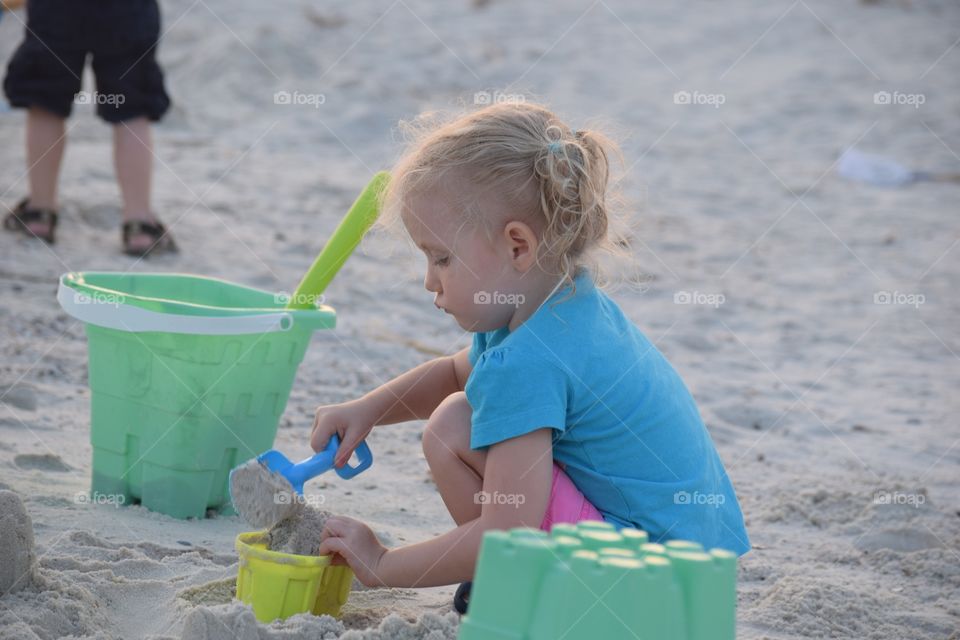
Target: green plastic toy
(189,375)
(589,581)
(341,244)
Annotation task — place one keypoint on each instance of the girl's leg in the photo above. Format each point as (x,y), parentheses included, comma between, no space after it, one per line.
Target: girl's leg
(456,468)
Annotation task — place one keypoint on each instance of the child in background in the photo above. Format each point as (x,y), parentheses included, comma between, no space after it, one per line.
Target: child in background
(44,76)
(561,410)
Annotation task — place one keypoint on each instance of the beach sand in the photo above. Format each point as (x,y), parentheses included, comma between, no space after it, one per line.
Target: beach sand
(820,338)
(260,496)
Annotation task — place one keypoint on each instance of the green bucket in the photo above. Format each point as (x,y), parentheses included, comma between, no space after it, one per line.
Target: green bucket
(188,378)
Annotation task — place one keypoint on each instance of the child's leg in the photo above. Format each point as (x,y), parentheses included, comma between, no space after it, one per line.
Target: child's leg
(130,79)
(456,468)
(133,160)
(46,140)
(43,77)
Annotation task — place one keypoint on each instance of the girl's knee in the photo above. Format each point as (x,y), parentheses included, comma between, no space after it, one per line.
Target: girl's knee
(448,429)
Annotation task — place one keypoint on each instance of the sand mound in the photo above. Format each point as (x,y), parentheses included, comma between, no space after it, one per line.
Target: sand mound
(17,558)
(36,604)
(266,499)
(300,533)
(85,586)
(237,621)
(50,608)
(261,497)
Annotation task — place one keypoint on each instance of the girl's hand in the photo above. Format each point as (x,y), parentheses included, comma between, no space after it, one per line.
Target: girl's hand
(351,421)
(355,544)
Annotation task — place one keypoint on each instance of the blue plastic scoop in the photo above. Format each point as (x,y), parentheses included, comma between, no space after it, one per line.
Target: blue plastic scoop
(298,473)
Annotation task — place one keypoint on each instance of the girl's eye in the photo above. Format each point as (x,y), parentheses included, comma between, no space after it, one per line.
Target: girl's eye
(442,262)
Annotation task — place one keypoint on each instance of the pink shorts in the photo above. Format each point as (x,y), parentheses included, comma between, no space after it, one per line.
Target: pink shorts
(566,504)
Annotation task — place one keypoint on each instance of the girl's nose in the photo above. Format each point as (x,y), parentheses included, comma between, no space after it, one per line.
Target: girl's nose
(431,283)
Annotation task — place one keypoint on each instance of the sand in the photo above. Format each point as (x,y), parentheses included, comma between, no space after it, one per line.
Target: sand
(261,497)
(87,587)
(833,413)
(52,608)
(236,621)
(17,557)
(300,532)
(265,499)
(19,396)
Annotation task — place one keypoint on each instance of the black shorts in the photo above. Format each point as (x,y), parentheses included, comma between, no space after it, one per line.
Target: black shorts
(120,35)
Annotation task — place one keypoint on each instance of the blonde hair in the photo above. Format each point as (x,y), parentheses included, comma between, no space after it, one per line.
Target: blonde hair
(552,176)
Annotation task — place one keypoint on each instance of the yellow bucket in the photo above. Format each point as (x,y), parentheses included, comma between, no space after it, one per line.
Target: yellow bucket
(279,585)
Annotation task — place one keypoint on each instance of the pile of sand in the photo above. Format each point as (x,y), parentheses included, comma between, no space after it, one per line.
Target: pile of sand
(266,499)
(81,585)
(80,581)
(17,558)
(52,606)
(237,621)
(299,533)
(261,497)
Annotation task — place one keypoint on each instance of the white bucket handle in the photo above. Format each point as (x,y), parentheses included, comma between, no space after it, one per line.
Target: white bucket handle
(103,311)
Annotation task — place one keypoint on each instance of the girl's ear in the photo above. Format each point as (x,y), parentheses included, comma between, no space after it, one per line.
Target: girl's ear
(522,243)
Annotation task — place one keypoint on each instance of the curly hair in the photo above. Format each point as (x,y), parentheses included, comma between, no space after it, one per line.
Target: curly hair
(555,178)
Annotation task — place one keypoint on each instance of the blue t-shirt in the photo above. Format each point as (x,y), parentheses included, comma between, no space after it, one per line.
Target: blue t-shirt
(626,429)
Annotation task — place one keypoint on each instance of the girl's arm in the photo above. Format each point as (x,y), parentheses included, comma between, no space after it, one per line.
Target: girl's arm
(517,481)
(415,394)
(412,395)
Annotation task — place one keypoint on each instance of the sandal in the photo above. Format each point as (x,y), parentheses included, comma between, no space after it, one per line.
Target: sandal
(162,240)
(462,597)
(23,216)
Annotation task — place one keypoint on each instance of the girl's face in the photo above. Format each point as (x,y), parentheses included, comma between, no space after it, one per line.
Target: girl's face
(470,276)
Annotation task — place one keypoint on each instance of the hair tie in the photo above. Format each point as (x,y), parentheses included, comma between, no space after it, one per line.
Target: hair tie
(555,147)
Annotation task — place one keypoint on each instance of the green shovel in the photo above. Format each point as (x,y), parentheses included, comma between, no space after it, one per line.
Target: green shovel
(341,244)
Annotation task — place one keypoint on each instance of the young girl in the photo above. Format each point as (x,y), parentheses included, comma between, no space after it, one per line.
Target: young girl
(562,410)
